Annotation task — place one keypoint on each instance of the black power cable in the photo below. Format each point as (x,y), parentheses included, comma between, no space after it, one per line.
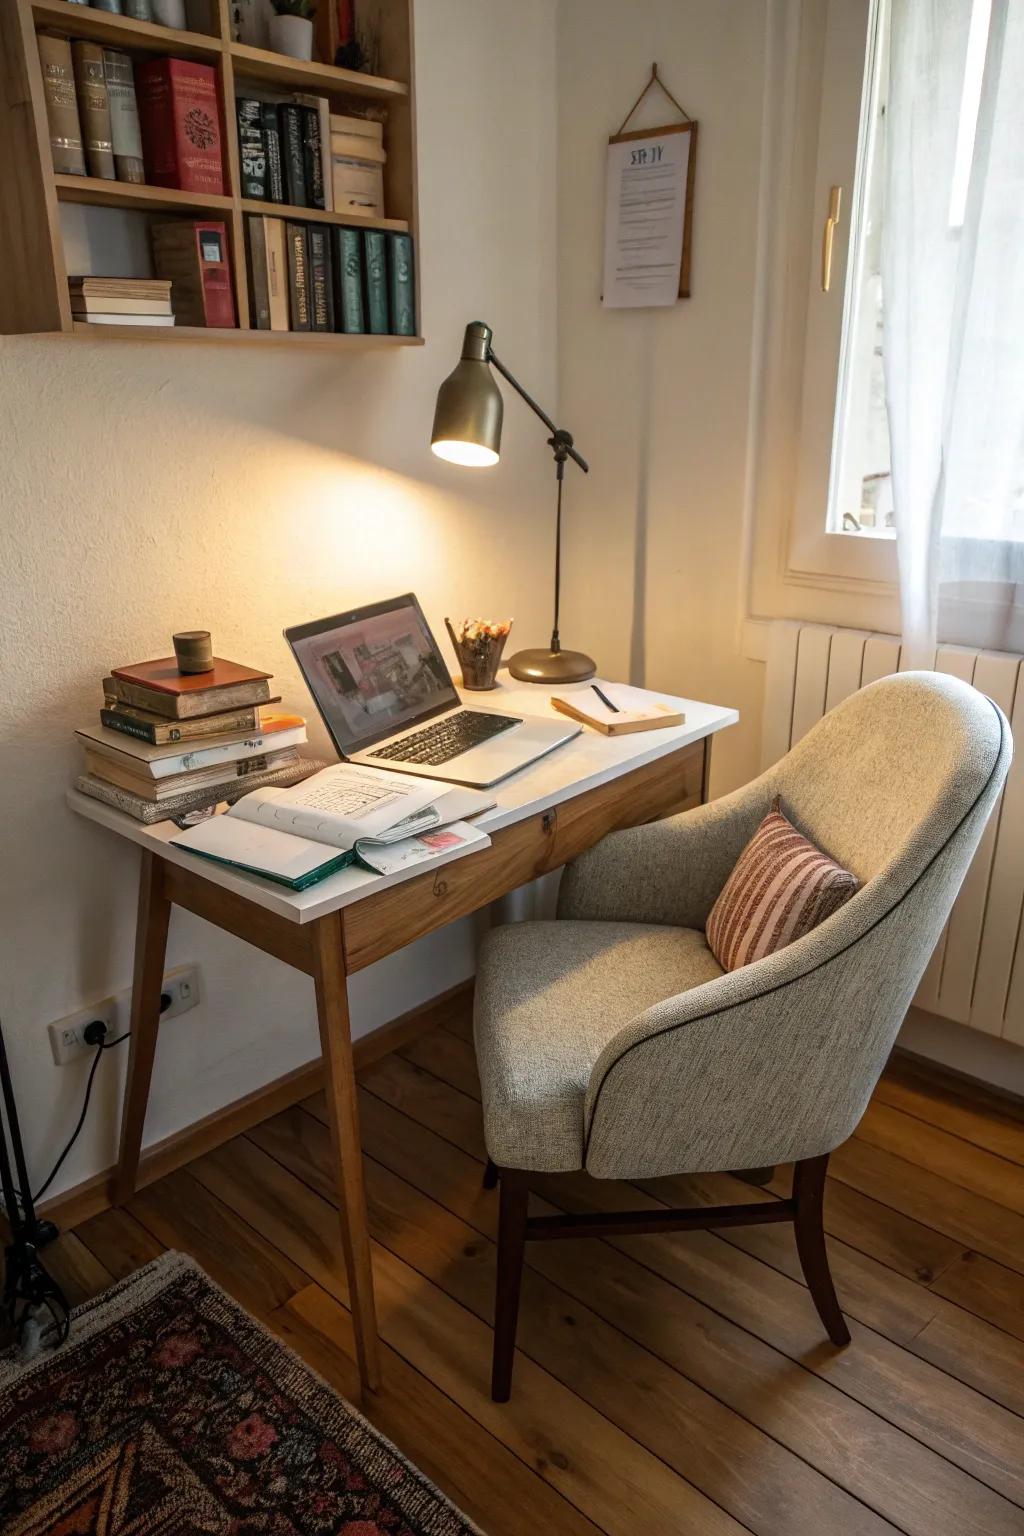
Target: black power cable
(101,1046)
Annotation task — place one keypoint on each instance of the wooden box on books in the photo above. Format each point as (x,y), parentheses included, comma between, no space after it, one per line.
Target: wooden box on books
(34,295)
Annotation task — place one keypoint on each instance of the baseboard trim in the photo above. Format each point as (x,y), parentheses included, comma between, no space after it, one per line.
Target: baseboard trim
(96,1194)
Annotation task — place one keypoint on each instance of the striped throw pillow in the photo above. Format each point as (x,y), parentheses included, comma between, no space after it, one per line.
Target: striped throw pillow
(781,888)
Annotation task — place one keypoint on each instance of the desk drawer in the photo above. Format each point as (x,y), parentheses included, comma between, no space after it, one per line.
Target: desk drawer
(378,925)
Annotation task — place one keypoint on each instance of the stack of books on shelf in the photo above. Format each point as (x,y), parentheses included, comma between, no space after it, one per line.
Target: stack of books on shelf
(358,158)
(154,122)
(168,743)
(121,300)
(326,277)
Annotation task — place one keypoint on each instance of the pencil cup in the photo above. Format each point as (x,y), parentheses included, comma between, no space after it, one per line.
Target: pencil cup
(194,650)
(478,646)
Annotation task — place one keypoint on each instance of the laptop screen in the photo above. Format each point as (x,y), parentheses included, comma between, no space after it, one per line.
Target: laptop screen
(373,672)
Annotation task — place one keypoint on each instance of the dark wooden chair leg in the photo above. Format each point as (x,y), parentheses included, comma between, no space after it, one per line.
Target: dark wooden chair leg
(515,1195)
(809,1198)
(490,1175)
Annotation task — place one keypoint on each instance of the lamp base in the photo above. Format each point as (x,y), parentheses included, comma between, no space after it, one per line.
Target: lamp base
(544,665)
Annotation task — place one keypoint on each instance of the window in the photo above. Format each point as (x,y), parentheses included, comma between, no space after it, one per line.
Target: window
(842,523)
(860,498)
(860,484)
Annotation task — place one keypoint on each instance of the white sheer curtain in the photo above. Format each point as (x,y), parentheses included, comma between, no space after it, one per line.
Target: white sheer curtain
(953,285)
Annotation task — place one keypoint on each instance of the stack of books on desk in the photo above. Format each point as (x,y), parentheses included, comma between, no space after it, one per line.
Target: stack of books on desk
(168,743)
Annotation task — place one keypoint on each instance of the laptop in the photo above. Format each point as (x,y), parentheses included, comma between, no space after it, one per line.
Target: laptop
(383,690)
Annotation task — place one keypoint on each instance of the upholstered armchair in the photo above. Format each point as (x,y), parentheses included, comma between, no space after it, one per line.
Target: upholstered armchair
(611,1040)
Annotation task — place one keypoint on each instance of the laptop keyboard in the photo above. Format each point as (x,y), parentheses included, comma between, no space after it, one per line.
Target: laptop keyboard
(447,738)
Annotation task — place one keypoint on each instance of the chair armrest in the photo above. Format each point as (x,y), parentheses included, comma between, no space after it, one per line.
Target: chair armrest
(767,1064)
(667,871)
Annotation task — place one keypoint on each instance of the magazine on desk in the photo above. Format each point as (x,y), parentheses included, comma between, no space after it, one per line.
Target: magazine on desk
(342,815)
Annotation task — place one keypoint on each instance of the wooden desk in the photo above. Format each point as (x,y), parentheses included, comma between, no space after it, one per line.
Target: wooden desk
(546,814)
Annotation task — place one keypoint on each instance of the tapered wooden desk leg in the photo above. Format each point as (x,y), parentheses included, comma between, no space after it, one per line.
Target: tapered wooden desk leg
(343,1114)
(147,982)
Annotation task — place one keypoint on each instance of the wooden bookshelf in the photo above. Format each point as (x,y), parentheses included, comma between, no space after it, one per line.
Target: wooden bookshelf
(34,295)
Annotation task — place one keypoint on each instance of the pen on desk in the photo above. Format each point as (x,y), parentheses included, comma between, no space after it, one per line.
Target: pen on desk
(606,700)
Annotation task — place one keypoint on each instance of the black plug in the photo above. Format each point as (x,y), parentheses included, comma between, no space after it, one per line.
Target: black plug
(95,1032)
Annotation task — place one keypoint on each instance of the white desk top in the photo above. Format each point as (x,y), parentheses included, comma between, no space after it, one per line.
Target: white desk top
(585,762)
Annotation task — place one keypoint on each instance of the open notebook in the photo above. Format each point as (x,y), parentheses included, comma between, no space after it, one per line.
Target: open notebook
(343,815)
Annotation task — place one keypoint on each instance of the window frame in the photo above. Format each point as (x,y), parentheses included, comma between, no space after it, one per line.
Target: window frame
(852,31)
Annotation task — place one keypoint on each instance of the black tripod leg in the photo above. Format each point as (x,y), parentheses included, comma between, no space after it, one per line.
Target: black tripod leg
(17,1150)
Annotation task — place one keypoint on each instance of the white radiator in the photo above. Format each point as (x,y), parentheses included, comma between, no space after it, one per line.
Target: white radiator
(976,975)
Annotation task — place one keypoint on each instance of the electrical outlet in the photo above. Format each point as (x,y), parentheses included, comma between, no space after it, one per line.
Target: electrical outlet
(67,1035)
(182,987)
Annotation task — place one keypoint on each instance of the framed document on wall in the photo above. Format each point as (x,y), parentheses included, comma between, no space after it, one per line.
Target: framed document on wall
(648,227)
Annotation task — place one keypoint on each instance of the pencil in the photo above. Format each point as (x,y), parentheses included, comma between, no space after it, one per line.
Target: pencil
(605,700)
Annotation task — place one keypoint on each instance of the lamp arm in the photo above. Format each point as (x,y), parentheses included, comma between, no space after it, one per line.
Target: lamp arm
(562,441)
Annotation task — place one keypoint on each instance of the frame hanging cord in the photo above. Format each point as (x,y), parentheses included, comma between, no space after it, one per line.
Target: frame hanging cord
(655,79)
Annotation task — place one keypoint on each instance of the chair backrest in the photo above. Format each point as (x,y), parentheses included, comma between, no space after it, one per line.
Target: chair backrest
(776,1061)
(888,774)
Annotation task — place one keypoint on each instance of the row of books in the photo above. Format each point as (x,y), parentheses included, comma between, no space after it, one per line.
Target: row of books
(156,121)
(320,277)
(300,153)
(169,743)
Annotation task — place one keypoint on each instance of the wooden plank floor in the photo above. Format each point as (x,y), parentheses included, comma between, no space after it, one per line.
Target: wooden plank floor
(664,1384)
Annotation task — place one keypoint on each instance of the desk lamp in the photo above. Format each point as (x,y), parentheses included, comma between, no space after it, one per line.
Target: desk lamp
(467,431)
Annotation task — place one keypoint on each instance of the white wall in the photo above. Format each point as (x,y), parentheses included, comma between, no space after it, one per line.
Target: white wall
(158,488)
(659,399)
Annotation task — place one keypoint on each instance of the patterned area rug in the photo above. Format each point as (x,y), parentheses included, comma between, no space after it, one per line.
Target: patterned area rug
(171,1412)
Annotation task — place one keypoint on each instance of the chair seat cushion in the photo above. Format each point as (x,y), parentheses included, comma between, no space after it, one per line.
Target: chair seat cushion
(549,997)
(781,887)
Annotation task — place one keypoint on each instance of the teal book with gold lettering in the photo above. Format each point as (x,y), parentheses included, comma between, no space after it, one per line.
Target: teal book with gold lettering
(347,267)
(376,282)
(401,285)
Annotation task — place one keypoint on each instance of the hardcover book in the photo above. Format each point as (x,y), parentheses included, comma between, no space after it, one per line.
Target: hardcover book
(272,146)
(313,157)
(298,276)
(251,149)
(180,120)
(144,725)
(124,116)
(320,281)
(375,263)
(347,271)
(61,105)
(256,270)
(401,285)
(193,254)
(164,760)
(358,185)
(293,156)
(94,108)
(163,677)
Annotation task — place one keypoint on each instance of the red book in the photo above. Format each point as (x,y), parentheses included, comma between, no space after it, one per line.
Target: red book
(193,253)
(180,121)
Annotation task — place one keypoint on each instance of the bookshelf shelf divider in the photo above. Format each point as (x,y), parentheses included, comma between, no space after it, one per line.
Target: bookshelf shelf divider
(34,298)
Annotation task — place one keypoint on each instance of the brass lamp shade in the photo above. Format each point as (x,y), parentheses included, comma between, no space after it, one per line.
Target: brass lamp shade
(468,415)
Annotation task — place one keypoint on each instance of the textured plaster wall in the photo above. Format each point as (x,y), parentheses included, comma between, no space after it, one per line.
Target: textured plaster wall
(152,488)
(659,398)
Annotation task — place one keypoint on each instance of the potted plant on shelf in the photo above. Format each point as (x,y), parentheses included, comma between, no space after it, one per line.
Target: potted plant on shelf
(291,28)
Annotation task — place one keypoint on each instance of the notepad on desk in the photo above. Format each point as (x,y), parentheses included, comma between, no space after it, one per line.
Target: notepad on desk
(343,815)
(617,709)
